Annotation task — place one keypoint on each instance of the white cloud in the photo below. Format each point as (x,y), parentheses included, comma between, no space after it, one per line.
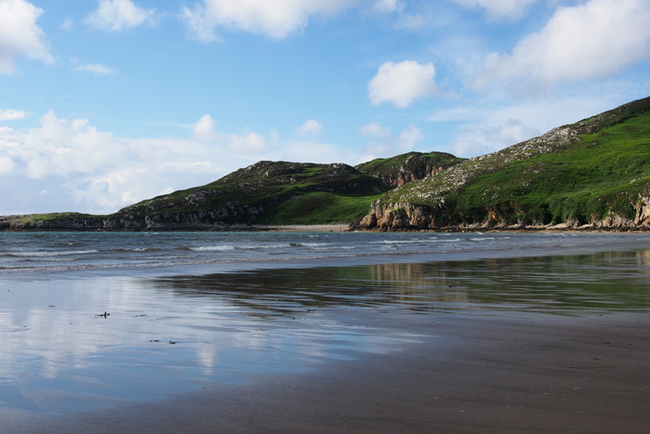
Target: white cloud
(88,170)
(206,130)
(375,129)
(59,147)
(20,36)
(386,6)
(412,22)
(483,139)
(10,115)
(273,18)
(94,171)
(6,164)
(500,8)
(408,138)
(97,69)
(67,24)
(311,127)
(118,15)
(590,41)
(384,143)
(402,83)
(246,142)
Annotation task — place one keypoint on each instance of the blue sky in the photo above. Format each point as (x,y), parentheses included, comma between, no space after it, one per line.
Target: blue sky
(105,103)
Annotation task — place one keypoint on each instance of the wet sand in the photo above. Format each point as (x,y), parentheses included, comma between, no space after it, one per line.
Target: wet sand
(510,373)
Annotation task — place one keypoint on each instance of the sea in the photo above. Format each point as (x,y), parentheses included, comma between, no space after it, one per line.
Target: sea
(98,319)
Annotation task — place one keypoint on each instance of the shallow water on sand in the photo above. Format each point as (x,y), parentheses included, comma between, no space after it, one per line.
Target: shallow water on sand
(167,332)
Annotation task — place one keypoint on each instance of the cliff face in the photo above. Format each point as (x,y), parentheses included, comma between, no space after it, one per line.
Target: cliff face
(592,174)
(409,217)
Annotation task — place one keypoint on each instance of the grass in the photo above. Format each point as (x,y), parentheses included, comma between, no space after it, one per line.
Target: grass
(603,171)
(272,193)
(320,208)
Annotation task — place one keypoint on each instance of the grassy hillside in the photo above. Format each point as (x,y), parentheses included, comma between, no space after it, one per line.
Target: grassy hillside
(267,193)
(578,173)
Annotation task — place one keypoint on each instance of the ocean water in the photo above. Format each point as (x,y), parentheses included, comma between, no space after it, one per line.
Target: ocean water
(91,320)
(52,252)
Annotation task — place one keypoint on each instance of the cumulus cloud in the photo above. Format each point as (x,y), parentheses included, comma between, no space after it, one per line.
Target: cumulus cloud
(386,6)
(273,18)
(67,24)
(9,115)
(6,164)
(94,171)
(402,83)
(206,130)
(500,8)
(20,36)
(118,15)
(375,129)
(78,167)
(97,69)
(591,41)
(383,142)
(408,138)
(311,127)
(484,138)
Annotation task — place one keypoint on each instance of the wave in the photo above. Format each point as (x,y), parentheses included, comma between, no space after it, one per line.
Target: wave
(41,254)
(212,248)
(416,241)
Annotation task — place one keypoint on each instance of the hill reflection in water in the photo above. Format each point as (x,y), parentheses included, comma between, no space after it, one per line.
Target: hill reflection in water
(580,284)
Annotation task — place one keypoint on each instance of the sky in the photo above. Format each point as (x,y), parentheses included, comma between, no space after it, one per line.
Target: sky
(106,103)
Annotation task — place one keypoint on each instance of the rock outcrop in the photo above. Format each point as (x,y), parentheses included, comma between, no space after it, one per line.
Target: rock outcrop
(405,168)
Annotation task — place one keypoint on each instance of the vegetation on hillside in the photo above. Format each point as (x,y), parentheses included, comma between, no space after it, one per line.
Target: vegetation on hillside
(578,173)
(270,193)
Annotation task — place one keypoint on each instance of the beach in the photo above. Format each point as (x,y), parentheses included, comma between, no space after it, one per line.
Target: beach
(478,375)
(500,337)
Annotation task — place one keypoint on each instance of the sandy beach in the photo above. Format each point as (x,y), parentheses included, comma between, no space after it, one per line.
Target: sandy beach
(512,343)
(471,375)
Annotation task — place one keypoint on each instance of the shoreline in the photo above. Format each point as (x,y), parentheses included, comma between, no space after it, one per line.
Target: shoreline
(470,374)
(561,228)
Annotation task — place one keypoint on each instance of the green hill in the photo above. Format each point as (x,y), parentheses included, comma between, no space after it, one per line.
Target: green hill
(266,193)
(594,172)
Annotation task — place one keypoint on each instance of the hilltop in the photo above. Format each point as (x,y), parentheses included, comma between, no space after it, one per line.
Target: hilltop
(409,167)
